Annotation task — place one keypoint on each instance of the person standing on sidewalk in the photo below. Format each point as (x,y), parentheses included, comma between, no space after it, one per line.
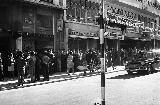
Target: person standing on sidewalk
(11,62)
(70,64)
(89,58)
(1,69)
(31,66)
(20,62)
(38,66)
(45,67)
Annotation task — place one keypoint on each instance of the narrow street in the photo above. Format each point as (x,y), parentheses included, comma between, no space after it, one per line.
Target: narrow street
(121,89)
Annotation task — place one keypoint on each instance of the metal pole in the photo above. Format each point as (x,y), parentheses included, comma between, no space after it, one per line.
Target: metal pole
(102,54)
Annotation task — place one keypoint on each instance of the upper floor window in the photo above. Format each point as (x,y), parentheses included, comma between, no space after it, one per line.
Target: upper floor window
(44,21)
(139,18)
(140,0)
(48,1)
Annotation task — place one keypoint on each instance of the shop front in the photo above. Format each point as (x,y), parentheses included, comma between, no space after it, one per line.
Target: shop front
(82,36)
(136,24)
(38,28)
(113,36)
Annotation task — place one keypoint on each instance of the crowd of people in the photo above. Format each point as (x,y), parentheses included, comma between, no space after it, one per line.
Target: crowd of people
(25,65)
(33,64)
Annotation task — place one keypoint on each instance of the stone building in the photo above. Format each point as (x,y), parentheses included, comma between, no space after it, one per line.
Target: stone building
(30,25)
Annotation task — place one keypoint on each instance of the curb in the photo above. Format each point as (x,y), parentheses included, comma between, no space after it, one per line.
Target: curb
(53,80)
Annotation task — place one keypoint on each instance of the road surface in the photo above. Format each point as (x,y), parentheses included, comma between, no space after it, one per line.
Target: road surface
(121,89)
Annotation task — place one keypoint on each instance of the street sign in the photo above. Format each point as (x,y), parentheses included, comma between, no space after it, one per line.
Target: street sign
(59,25)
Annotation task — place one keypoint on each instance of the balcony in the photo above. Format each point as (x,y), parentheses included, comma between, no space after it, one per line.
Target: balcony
(49,3)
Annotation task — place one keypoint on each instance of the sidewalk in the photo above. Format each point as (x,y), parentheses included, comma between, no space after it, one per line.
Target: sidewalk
(9,84)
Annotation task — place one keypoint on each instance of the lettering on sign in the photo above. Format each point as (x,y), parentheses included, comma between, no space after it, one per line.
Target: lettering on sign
(73,32)
(28,20)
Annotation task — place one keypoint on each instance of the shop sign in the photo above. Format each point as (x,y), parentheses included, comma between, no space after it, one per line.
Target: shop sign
(28,20)
(88,35)
(131,30)
(122,20)
(157,37)
(59,25)
(112,32)
(148,29)
(121,37)
(145,36)
(111,35)
(137,29)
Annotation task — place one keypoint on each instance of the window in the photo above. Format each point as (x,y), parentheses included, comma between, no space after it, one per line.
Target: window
(44,21)
(135,16)
(140,1)
(139,18)
(148,3)
(152,25)
(118,11)
(121,12)
(155,22)
(149,21)
(48,1)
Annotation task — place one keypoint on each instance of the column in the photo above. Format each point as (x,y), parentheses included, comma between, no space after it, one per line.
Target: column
(66,39)
(65,29)
(54,33)
(19,43)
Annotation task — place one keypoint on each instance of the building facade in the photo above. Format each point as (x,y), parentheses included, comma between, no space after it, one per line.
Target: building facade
(129,26)
(30,25)
(152,23)
(126,25)
(82,30)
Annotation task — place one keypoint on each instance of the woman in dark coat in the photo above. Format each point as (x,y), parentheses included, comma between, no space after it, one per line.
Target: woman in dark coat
(38,67)
(31,66)
(20,68)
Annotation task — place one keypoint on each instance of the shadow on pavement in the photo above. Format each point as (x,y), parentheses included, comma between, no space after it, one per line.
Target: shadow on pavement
(129,76)
(56,78)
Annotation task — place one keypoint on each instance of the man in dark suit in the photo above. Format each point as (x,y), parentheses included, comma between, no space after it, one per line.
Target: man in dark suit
(20,67)
(45,66)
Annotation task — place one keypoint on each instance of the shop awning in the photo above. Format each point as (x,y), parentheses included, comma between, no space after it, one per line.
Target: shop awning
(80,30)
(73,36)
(95,37)
(82,37)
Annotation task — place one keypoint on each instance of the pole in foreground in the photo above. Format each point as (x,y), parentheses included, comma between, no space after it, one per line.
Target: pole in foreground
(100,21)
(102,54)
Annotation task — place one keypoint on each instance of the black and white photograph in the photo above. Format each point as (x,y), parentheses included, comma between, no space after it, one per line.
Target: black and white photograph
(79,52)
